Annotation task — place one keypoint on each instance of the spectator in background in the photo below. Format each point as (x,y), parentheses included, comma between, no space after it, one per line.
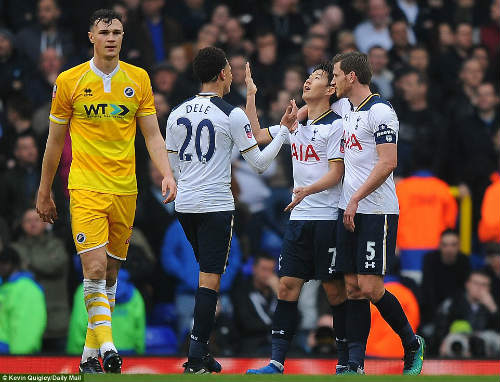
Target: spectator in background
(178,260)
(480,53)
(20,183)
(399,53)
(191,14)
(178,58)
(46,33)
(470,314)
(445,272)
(293,81)
(346,41)
(489,225)
(419,124)
(471,76)
(450,62)
(22,307)
(332,18)
(490,33)
(471,140)
(235,40)
(14,69)
(41,84)
(418,59)
(45,256)
(287,24)
(157,32)
(167,80)
(375,30)
(313,53)
(381,76)
(254,302)
(19,112)
(129,319)
(238,94)
(220,16)
(427,208)
(265,66)
(492,268)
(445,38)
(383,342)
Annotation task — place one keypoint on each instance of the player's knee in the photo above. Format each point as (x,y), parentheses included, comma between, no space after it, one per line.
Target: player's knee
(352,289)
(335,293)
(371,292)
(95,270)
(288,291)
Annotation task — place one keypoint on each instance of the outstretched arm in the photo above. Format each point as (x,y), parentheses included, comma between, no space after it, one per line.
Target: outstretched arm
(330,179)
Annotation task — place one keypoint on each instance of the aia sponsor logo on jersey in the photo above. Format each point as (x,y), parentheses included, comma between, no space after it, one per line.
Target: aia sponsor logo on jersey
(304,153)
(350,143)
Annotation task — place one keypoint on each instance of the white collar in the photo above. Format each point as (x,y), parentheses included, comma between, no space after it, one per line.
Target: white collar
(101,74)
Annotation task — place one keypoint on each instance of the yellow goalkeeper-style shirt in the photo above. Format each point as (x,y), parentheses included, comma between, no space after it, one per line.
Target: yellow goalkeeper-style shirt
(101,110)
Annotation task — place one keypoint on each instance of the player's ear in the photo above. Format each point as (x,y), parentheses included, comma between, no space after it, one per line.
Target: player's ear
(222,75)
(91,37)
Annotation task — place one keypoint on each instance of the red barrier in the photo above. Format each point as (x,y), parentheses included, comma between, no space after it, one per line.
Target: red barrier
(168,365)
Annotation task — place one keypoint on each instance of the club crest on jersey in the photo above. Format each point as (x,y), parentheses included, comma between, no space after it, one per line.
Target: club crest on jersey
(304,153)
(80,238)
(248,130)
(54,90)
(129,92)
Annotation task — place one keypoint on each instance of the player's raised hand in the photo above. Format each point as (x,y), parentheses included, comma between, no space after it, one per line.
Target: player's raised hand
(299,193)
(251,87)
(289,119)
(168,184)
(46,208)
(349,214)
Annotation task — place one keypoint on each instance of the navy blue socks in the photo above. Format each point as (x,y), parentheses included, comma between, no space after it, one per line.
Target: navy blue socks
(357,330)
(339,325)
(284,325)
(392,312)
(204,318)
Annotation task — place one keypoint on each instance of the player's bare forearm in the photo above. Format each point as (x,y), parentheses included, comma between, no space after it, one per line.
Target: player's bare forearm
(155,144)
(330,179)
(387,162)
(302,113)
(251,109)
(51,157)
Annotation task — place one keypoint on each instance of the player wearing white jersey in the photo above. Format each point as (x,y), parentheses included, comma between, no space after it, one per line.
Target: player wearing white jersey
(369,211)
(200,136)
(309,247)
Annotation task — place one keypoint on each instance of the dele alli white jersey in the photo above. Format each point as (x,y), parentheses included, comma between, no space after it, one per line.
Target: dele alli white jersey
(201,132)
(373,122)
(313,146)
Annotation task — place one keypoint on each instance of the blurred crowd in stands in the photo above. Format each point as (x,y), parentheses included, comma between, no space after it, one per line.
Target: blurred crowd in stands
(437,61)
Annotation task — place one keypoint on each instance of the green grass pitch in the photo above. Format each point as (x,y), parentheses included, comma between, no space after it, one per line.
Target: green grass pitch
(288,378)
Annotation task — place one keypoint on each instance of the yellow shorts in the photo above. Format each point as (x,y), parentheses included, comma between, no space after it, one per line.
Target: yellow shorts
(99,220)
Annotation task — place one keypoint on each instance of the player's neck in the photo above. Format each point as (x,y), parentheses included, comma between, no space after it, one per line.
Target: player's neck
(314,110)
(213,87)
(105,66)
(358,94)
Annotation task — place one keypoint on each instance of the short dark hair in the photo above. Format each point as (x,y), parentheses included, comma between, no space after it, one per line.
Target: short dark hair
(208,63)
(449,231)
(356,62)
(104,15)
(327,67)
(263,256)
(479,272)
(421,77)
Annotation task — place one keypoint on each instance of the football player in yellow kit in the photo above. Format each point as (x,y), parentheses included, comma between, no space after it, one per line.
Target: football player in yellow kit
(100,102)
